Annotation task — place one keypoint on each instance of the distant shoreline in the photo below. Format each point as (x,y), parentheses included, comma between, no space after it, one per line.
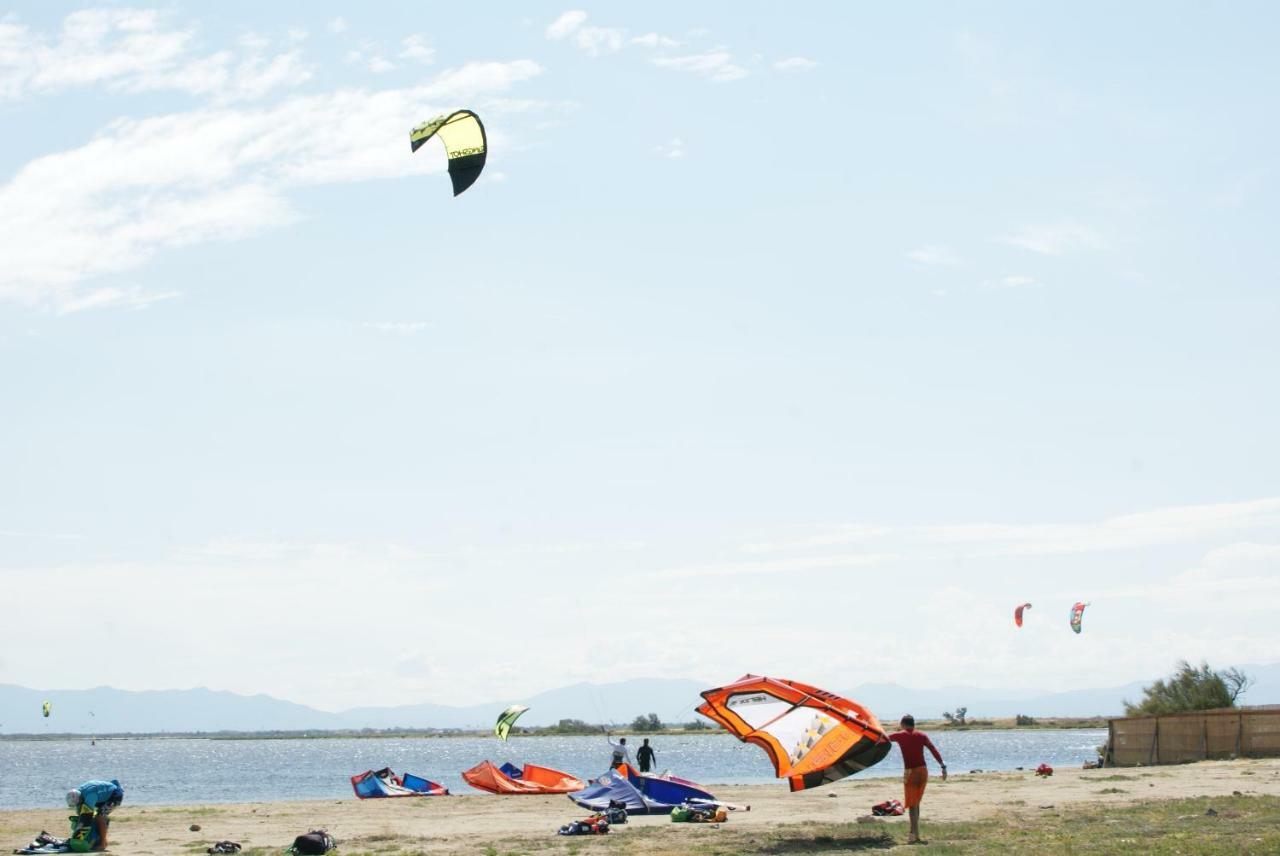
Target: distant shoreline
(999,724)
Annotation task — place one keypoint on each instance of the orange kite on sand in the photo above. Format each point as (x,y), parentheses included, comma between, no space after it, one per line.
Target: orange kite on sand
(812,736)
(532,779)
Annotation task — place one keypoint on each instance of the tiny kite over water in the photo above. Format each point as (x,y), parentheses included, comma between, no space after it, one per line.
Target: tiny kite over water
(46,708)
(507,719)
(1077,615)
(464,144)
(1017,614)
(812,736)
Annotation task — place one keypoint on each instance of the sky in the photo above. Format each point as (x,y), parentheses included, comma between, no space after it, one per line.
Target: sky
(803,340)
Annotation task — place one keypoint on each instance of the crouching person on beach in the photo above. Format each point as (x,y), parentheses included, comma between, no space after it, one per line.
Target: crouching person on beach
(93,803)
(916,773)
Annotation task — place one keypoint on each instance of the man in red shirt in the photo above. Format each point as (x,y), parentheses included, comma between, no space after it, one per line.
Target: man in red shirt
(916,775)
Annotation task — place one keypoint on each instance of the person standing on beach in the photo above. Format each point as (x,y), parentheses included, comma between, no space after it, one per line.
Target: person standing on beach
(645,756)
(620,751)
(916,773)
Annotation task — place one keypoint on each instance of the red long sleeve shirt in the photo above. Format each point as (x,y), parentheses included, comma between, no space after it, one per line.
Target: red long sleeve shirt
(912,744)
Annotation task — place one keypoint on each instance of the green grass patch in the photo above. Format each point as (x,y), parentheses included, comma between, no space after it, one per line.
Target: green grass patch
(1242,825)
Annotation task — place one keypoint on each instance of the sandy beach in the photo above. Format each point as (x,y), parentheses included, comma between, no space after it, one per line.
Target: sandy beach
(478,823)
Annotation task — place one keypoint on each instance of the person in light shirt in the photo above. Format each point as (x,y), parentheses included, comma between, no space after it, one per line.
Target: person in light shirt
(620,752)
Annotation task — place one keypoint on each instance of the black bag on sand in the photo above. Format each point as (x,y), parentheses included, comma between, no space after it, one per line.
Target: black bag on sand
(314,843)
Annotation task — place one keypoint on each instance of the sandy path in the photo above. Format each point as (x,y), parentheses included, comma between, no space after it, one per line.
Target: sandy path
(467,823)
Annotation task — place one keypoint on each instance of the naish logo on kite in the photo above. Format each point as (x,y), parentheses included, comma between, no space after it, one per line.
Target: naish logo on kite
(758,698)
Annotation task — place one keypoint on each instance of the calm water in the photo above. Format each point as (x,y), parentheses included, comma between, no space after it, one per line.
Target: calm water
(38,773)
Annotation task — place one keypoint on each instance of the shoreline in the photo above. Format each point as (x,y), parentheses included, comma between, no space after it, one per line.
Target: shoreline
(475,823)
(1047,723)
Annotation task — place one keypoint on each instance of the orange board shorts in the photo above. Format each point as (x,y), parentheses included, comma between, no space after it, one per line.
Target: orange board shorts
(913,783)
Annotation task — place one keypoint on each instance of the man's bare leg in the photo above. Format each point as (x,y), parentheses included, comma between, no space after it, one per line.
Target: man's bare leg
(914,814)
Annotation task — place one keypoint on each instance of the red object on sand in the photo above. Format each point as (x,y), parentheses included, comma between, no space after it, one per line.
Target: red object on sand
(1044,770)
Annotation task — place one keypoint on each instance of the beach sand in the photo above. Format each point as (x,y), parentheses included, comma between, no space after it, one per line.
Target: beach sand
(472,823)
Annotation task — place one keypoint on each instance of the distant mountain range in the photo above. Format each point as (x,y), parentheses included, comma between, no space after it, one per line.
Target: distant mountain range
(104,710)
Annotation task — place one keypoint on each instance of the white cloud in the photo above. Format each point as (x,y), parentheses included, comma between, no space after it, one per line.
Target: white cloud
(142,186)
(136,51)
(935,255)
(1237,578)
(673,149)
(795,63)
(779,566)
(1124,532)
(255,77)
(1054,239)
(1013,281)
(400,328)
(416,48)
(594,41)
(338,25)
(566,24)
(369,56)
(715,65)
(852,534)
(654,40)
(1220,609)
(100,298)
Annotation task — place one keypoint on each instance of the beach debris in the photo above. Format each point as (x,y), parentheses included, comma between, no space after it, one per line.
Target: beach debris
(833,795)
(315,843)
(594,825)
(888,808)
(195,827)
(813,737)
(1236,794)
(1044,771)
(1047,806)
(694,814)
(224,847)
(464,144)
(1210,812)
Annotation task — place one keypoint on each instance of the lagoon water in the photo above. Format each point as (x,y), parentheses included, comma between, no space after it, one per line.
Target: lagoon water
(37,773)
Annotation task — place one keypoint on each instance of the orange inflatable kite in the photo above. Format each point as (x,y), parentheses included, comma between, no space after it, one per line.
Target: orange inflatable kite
(812,736)
(530,780)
